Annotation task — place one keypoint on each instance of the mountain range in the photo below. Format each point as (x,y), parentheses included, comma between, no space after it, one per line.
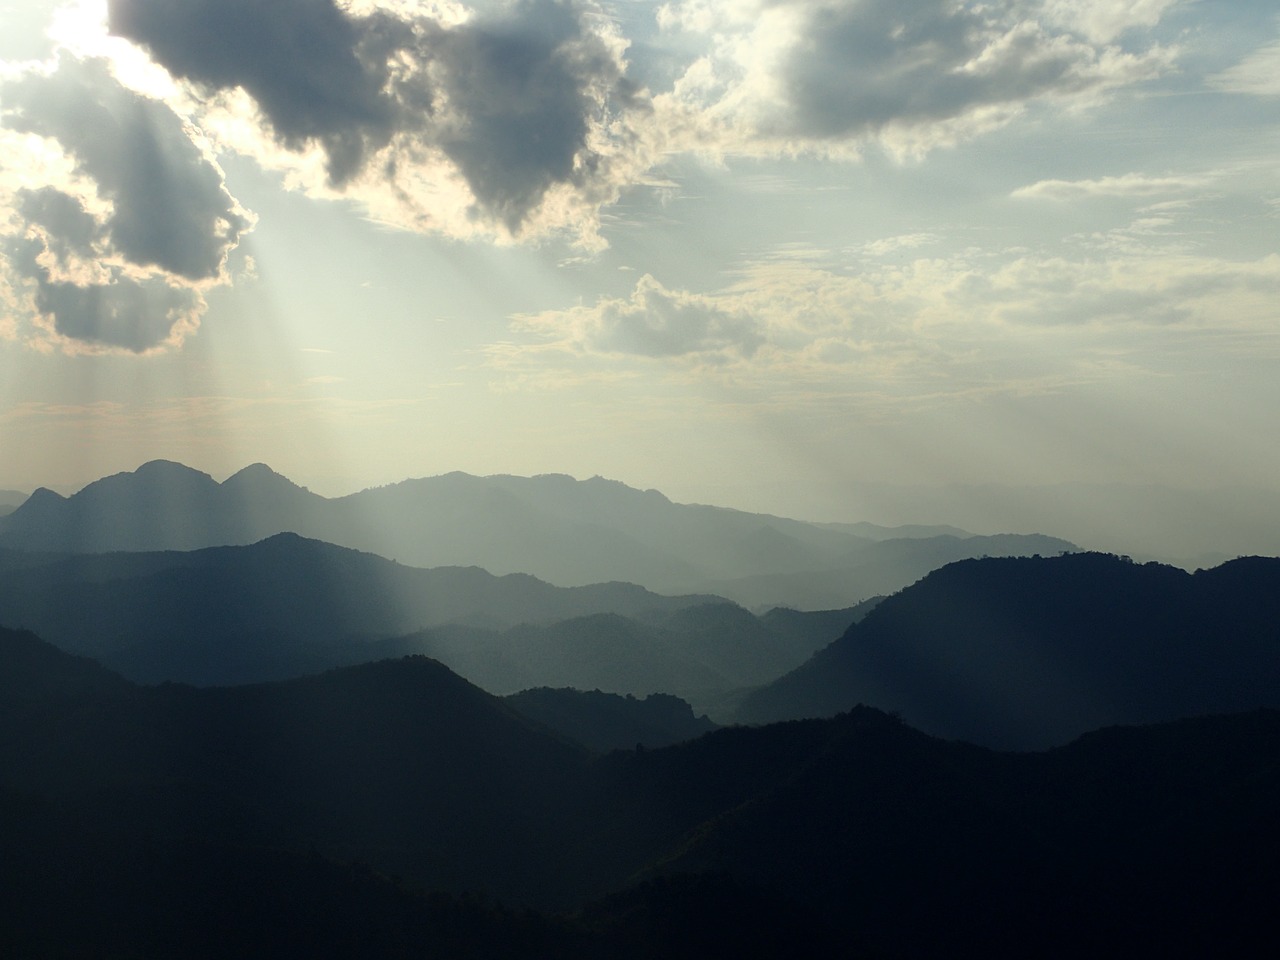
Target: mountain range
(471,716)
(565,531)
(1031,652)
(142,818)
(289,606)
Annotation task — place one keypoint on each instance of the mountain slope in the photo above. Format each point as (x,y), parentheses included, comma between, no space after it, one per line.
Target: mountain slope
(562,530)
(880,568)
(1126,841)
(853,836)
(402,760)
(606,721)
(1030,652)
(287,606)
(281,607)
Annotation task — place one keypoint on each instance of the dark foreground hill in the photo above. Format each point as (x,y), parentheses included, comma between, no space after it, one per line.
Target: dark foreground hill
(287,606)
(561,530)
(606,721)
(1030,652)
(270,820)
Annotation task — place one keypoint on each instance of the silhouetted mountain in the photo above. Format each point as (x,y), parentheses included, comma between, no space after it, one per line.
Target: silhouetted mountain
(402,759)
(805,629)
(1127,841)
(561,530)
(704,653)
(607,721)
(282,607)
(35,676)
(1030,652)
(160,506)
(141,814)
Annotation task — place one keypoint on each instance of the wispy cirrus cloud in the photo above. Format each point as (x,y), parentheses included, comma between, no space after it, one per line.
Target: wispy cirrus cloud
(1102,21)
(1127,185)
(1257,75)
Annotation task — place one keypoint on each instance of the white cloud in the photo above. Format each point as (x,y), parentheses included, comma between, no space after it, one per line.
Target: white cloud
(891,245)
(1127,185)
(921,331)
(652,322)
(1102,21)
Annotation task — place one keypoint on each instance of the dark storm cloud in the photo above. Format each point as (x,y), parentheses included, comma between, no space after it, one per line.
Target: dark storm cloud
(114,257)
(66,225)
(315,73)
(521,85)
(170,209)
(859,67)
(120,312)
(508,96)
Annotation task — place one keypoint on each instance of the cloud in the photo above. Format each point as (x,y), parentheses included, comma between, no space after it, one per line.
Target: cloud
(891,245)
(1256,75)
(653,322)
(511,120)
(316,73)
(115,221)
(826,76)
(922,331)
(1128,185)
(518,119)
(1104,20)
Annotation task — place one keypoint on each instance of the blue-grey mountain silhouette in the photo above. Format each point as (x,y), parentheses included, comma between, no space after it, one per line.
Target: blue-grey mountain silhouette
(565,531)
(1031,652)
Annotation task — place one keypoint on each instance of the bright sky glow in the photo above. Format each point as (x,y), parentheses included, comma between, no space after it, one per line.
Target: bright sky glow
(791,256)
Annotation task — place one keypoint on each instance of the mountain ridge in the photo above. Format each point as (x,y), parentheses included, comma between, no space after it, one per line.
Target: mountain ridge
(1030,652)
(565,531)
(855,835)
(288,606)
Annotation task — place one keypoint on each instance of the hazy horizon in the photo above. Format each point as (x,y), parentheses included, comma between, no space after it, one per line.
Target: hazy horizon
(838,261)
(1125,519)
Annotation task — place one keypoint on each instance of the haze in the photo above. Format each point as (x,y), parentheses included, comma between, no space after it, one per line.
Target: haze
(1007,266)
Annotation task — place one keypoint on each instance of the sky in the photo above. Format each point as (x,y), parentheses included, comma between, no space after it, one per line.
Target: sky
(800,256)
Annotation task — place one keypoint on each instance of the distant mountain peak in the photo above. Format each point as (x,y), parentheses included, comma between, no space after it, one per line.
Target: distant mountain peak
(258,474)
(44,495)
(257,469)
(166,468)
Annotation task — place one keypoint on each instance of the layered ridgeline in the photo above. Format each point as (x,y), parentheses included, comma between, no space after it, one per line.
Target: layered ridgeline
(10,500)
(606,721)
(287,606)
(267,819)
(1030,652)
(562,530)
